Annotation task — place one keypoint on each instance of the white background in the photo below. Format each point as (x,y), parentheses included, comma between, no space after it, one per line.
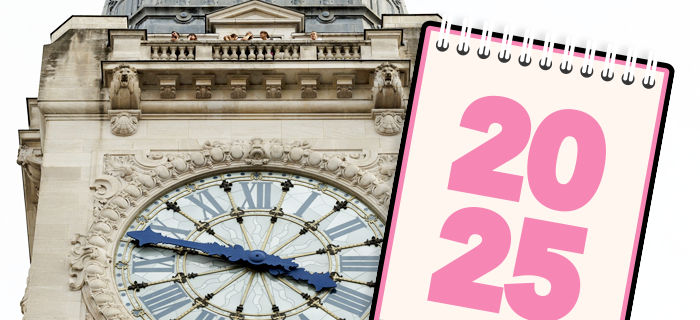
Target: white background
(668,276)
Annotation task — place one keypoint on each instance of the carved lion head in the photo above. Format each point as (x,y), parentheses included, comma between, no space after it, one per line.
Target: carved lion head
(124,92)
(386,75)
(124,76)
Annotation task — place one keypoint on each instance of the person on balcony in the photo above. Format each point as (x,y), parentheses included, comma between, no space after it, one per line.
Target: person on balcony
(314,36)
(192,37)
(248,36)
(232,37)
(264,35)
(174,36)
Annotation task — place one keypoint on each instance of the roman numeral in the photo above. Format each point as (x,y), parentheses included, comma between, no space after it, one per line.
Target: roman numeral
(303,317)
(345,228)
(206,315)
(166,300)
(359,263)
(305,206)
(199,201)
(165,264)
(263,192)
(158,225)
(349,300)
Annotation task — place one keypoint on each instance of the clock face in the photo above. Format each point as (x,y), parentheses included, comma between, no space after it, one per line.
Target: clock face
(321,227)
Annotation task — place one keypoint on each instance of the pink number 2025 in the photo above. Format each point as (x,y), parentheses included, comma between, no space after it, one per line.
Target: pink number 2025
(474,173)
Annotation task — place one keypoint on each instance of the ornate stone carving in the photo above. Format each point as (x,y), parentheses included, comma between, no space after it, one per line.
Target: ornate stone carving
(127,179)
(308,92)
(168,85)
(308,84)
(167,92)
(23,302)
(387,91)
(124,123)
(238,92)
(344,83)
(203,86)
(388,122)
(239,86)
(125,93)
(274,92)
(30,160)
(203,92)
(90,271)
(344,91)
(273,85)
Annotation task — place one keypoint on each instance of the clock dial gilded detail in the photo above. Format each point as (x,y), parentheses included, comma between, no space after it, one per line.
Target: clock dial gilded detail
(320,227)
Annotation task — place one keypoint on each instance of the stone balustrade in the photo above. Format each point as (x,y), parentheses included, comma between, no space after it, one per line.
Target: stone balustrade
(245,51)
(174,51)
(258,50)
(339,52)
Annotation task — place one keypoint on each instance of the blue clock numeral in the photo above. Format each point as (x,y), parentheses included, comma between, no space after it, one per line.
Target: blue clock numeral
(158,225)
(305,206)
(345,228)
(214,212)
(359,263)
(165,264)
(349,300)
(206,315)
(263,193)
(303,317)
(166,300)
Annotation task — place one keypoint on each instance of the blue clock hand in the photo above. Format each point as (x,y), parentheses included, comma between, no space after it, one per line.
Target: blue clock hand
(233,254)
(320,281)
(275,264)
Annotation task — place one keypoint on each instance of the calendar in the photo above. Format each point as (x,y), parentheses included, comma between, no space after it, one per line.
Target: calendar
(525,178)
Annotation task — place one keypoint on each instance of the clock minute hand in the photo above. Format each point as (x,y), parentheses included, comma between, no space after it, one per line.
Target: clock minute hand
(319,280)
(274,264)
(233,254)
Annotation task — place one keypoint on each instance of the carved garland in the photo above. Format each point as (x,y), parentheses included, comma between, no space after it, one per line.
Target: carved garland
(127,180)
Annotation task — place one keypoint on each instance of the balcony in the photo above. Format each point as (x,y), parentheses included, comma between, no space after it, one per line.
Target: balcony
(130,45)
(256,50)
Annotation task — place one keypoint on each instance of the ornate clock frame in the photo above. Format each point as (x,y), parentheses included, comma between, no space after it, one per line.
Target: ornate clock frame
(127,181)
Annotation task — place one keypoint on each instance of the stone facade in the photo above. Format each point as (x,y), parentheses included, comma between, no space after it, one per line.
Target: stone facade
(124,114)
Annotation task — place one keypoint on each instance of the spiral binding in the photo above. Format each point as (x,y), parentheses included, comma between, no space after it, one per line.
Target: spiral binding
(545,62)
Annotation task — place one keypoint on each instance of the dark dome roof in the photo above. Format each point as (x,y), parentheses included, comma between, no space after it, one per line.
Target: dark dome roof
(186,16)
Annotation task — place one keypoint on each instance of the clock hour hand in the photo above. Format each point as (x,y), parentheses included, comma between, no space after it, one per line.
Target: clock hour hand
(233,254)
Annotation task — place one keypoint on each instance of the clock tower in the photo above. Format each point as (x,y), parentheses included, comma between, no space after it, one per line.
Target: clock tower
(215,179)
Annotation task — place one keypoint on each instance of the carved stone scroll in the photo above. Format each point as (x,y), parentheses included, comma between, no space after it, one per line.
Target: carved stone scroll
(30,160)
(203,86)
(239,86)
(168,86)
(309,83)
(23,302)
(344,84)
(273,85)
(344,91)
(309,92)
(273,92)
